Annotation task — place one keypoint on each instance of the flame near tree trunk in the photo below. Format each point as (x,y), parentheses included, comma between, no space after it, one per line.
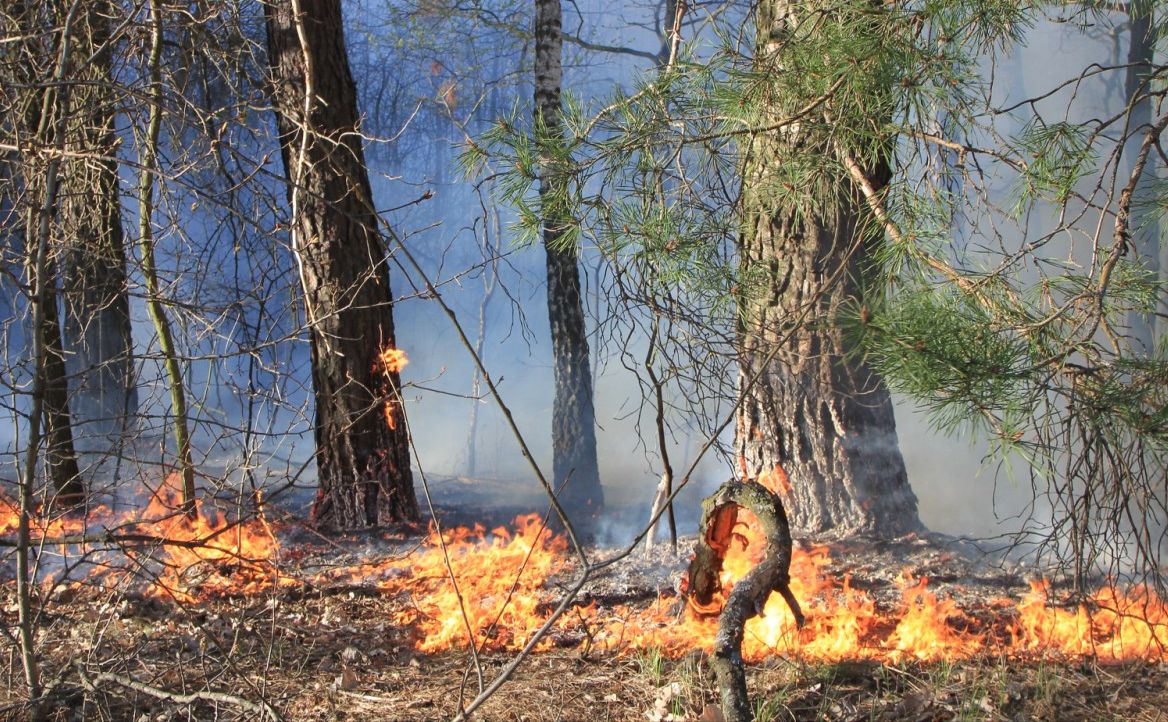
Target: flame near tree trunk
(500,594)
(390,362)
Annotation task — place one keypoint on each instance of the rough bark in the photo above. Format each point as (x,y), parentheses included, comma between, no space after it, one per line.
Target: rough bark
(816,410)
(42,117)
(97,307)
(363,463)
(575,471)
(750,594)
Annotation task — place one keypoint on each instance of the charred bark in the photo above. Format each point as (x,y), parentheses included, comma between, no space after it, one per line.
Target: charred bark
(363,461)
(94,285)
(750,594)
(815,410)
(574,463)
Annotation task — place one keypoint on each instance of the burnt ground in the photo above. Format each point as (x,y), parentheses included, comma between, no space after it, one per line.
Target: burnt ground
(329,651)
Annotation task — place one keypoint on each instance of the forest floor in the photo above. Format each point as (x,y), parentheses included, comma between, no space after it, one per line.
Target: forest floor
(330,651)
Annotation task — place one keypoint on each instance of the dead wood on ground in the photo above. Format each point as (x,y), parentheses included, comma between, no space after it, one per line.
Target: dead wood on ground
(750,594)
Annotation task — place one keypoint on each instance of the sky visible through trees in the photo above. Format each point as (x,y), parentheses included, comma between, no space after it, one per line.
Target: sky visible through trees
(440,94)
(333,228)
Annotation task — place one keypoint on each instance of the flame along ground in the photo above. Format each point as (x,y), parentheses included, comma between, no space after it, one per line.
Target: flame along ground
(499,596)
(171,552)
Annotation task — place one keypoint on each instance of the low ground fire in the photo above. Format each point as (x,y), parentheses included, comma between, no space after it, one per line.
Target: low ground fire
(498,587)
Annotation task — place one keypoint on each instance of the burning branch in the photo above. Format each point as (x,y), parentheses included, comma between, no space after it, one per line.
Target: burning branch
(749,596)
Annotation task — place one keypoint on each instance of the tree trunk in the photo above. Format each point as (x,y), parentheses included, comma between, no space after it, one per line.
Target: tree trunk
(815,411)
(575,471)
(60,456)
(147,172)
(97,306)
(1145,230)
(43,114)
(363,461)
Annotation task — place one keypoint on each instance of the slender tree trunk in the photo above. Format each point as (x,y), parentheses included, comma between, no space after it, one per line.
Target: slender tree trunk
(575,471)
(362,445)
(148,161)
(815,412)
(666,56)
(490,281)
(97,306)
(1145,235)
(60,455)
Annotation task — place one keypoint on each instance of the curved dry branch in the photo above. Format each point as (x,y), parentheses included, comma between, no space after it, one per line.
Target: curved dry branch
(750,594)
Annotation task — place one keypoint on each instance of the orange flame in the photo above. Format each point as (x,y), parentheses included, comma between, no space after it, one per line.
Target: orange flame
(200,556)
(926,629)
(391,360)
(776,480)
(206,551)
(502,608)
(491,588)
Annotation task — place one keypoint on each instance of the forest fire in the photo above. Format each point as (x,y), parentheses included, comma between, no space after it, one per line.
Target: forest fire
(199,555)
(207,539)
(391,361)
(500,596)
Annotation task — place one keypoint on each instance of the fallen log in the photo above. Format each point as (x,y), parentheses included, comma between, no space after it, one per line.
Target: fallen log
(750,594)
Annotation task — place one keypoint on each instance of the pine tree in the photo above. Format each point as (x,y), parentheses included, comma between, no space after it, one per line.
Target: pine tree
(362,453)
(576,475)
(812,410)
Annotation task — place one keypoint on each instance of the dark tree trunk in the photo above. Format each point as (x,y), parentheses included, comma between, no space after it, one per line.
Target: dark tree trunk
(364,464)
(97,307)
(816,412)
(575,471)
(60,456)
(42,117)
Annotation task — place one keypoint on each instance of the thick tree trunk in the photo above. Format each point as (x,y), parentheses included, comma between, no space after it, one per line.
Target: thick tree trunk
(814,411)
(575,470)
(363,461)
(97,306)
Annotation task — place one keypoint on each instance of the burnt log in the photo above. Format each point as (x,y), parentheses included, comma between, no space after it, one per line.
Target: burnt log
(749,596)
